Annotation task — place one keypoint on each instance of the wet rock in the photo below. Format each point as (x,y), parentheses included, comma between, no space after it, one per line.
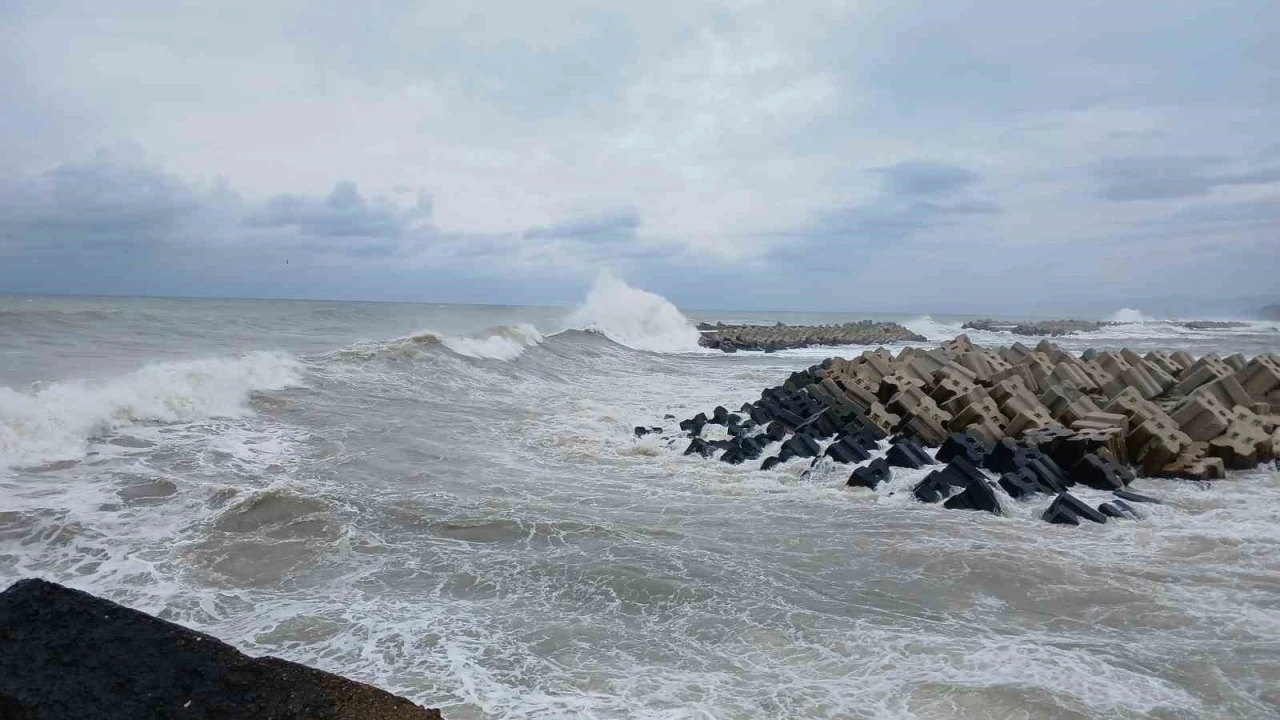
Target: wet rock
(770,462)
(908,454)
(66,654)
(933,488)
(802,445)
(1068,504)
(1101,472)
(977,496)
(871,475)
(1135,497)
(731,338)
(970,447)
(699,446)
(1119,509)
(1022,483)
(847,451)
(642,431)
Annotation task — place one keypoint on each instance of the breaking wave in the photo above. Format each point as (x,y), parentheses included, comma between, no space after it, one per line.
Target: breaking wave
(506,342)
(1130,315)
(55,421)
(639,319)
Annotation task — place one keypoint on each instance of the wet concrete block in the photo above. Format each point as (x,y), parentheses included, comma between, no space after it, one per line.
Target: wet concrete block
(971,448)
(926,428)
(1132,496)
(988,430)
(1020,484)
(906,453)
(770,462)
(932,489)
(871,475)
(801,445)
(67,654)
(977,496)
(1101,472)
(1119,510)
(847,451)
(1235,362)
(1074,506)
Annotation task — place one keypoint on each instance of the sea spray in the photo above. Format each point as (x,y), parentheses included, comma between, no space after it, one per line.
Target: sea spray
(636,318)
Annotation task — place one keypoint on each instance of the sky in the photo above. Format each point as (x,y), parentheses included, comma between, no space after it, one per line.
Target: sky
(875,155)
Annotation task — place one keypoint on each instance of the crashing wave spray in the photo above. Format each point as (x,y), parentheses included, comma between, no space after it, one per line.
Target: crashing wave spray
(636,318)
(56,421)
(1130,315)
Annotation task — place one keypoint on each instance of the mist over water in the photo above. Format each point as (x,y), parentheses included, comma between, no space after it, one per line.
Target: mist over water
(450,502)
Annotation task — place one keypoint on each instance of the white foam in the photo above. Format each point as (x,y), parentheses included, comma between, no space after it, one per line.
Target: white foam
(636,318)
(55,421)
(1130,315)
(932,329)
(501,343)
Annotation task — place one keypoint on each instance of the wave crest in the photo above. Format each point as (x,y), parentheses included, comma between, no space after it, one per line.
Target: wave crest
(55,421)
(636,318)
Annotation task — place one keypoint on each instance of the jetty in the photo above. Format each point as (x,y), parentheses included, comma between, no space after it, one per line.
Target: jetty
(1012,423)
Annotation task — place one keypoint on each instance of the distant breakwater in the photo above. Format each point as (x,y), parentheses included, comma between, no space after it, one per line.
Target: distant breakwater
(1058,328)
(1039,420)
(771,338)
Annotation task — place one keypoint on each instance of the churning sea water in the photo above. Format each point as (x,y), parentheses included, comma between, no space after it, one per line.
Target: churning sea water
(449,502)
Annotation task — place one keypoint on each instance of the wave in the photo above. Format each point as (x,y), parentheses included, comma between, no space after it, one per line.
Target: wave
(1130,316)
(56,421)
(933,330)
(639,319)
(506,342)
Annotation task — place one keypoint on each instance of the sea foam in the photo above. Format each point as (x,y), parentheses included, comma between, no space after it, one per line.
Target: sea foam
(55,421)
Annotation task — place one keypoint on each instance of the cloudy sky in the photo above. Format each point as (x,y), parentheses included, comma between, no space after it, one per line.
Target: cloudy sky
(879,155)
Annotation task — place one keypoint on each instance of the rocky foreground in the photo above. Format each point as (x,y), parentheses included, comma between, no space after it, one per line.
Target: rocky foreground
(771,338)
(1041,420)
(67,655)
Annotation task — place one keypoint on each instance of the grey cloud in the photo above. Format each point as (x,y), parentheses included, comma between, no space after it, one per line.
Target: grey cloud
(611,227)
(917,178)
(1127,179)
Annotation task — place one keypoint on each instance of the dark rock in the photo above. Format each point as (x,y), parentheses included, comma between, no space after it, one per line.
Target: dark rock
(859,435)
(761,414)
(699,446)
(1118,509)
(1135,497)
(1075,506)
(970,447)
(871,475)
(802,445)
(642,431)
(961,473)
(846,451)
(668,416)
(776,431)
(933,488)
(67,654)
(1059,514)
(1100,471)
(978,496)
(1022,483)
(770,462)
(719,415)
(908,454)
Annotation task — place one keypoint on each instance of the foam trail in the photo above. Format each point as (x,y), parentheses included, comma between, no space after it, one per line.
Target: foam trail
(507,342)
(55,421)
(636,318)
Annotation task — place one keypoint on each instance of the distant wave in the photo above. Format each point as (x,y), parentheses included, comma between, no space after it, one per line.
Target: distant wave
(1130,315)
(55,421)
(636,318)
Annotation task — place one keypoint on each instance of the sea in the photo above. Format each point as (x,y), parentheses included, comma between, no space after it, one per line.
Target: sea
(450,502)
